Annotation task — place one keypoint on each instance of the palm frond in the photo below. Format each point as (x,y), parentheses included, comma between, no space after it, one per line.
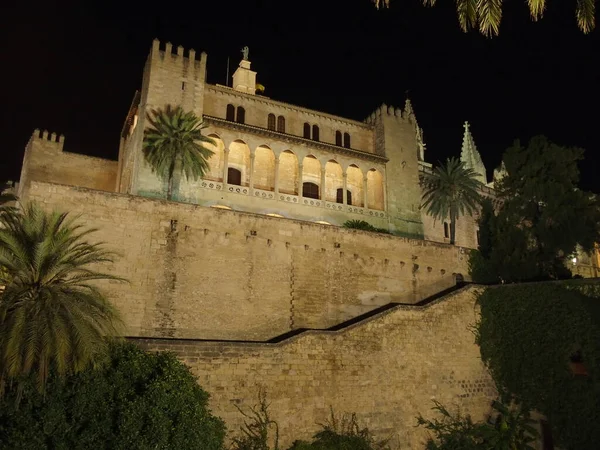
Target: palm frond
(451,191)
(536,9)
(52,315)
(467,14)
(586,15)
(175,135)
(489,13)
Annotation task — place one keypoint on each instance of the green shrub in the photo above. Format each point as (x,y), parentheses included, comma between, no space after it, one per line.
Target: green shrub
(341,434)
(528,335)
(137,400)
(363,225)
(511,429)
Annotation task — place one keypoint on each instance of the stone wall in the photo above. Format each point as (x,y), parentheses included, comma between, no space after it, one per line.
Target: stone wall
(46,161)
(387,370)
(199,272)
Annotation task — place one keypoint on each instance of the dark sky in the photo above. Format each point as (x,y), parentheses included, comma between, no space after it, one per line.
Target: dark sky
(73,67)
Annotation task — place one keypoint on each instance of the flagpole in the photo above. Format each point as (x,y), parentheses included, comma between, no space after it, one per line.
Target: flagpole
(227,76)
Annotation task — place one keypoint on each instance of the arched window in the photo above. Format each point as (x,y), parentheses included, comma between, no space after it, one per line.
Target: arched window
(241,115)
(347,140)
(271,122)
(340,196)
(306,130)
(338,138)
(315,134)
(446,230)
(230,115)
(310,190)
(234,176)
(281,124)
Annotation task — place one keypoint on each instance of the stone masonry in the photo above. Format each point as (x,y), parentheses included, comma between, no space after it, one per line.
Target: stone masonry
(387,370)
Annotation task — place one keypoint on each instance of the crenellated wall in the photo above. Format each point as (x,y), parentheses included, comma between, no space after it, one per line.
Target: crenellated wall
(199,272)
(46,161)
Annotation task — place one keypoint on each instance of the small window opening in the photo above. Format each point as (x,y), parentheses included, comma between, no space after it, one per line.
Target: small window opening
(241,115)
(338,138)
(339,198)
(446,230)
(347,140)
(310,190)
(281,124)
(230,115)
(234,176)
(315,133)
(271,122)
(307,131)
(183,85)
(577,366)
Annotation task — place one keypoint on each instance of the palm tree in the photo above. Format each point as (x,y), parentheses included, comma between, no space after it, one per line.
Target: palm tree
(486,14)
(451,191)
(173,144)
(52,315)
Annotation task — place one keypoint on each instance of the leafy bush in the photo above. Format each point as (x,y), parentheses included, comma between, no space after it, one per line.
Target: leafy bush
(137,400)
(363,225)
(341,434)
(528,336)
(511,429)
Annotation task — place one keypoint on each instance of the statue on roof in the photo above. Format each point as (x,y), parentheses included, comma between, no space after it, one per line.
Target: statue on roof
(245,52)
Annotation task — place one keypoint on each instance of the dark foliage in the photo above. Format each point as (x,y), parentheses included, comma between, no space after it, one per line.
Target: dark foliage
(363,225)
(530,337)
(510,429)
(343,433)
(542,217)
(137,400)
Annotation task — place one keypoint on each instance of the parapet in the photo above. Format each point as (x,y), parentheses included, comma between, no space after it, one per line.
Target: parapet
(47,138)
(165,53)
(390,111)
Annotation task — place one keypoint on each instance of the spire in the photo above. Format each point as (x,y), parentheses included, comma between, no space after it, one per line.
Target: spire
(471,157)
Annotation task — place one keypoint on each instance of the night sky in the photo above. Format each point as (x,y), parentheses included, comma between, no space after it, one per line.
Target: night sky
(72,67)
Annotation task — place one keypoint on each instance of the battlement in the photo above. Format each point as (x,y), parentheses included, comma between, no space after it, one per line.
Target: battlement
(402,115)
(46,137)
(177,54)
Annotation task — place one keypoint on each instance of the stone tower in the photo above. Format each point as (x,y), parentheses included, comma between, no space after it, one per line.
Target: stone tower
(471,157)
(397,138)
(169,78)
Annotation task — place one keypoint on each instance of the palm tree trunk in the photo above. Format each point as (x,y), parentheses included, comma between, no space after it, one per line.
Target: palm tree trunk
(452,227)
(174,179)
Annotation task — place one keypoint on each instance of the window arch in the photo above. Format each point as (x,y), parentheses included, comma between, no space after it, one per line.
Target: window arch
(241,115)
(310,190)
(306,130)
(347,140)
(338,138)
(230,114)
(281,124)
(271,122)
(315,133)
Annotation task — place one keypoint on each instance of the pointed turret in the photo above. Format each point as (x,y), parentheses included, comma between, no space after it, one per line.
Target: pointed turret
(471,157)
(409,114)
